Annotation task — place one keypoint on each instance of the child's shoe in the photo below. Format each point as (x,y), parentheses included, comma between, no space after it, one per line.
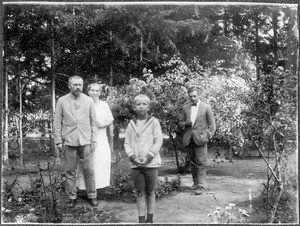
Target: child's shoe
(149,218)
(142,219)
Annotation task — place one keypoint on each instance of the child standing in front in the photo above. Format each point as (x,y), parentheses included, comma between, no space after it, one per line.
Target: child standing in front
(143,141)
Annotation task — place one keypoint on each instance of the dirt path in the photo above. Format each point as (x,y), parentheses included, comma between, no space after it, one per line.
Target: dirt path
(226,183)
(185,207)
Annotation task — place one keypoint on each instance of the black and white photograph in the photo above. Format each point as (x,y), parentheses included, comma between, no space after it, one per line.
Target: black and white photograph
(149,112)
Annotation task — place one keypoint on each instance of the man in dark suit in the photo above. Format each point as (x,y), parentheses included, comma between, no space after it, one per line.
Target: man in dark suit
(199,125)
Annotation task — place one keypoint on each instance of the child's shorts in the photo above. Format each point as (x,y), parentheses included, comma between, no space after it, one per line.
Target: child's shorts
(145,179)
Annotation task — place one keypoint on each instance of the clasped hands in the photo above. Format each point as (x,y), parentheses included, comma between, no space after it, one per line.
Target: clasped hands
(140,162)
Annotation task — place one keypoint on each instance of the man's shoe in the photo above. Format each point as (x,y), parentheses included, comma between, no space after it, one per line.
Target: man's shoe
(199,191)
(72,203)
(195,187)
(93,202)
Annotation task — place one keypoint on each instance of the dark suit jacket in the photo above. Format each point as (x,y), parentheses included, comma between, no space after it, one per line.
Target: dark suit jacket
(203,128)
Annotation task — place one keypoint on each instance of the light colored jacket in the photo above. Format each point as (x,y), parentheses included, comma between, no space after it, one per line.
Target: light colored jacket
(74,121)
(148,141)
(204,127)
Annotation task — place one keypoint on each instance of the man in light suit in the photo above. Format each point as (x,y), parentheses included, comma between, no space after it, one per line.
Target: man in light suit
(199,125)
(75,128)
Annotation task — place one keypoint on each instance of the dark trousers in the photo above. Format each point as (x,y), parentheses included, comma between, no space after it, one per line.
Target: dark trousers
(145,179)
(197,156)
(86,158)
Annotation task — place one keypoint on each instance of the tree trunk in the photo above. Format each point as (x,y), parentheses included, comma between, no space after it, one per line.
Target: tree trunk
(196,9)
(275,29)
(141,47)
(176,152)
(257,50)
(111,65)
(54,150)
(291,53)
(5,151)
(116,139)
(281,159)
(276,202)
(20,121)
(225,22)
(111,75)
(298,61)
(277,191)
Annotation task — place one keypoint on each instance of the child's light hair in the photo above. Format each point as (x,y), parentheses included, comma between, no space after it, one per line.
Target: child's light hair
(141,96)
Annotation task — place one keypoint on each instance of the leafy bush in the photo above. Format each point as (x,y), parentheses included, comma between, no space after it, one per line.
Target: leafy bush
(124,188)
(84,214)
(225,92)
(230,214)
(42,196)
(167,186)
(287,206)
(270,124)
(28,218)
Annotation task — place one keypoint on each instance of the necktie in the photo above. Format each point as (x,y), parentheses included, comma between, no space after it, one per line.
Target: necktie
(194,104)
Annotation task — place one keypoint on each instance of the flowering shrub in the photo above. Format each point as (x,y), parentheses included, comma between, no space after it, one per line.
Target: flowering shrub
(230,214)
(123,187)
(168,93)
(28,218)
(166,186)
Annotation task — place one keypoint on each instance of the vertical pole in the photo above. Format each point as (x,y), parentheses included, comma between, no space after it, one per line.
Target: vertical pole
(20,120)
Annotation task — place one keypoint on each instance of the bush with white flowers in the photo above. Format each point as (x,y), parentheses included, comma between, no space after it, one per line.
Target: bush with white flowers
(230,214)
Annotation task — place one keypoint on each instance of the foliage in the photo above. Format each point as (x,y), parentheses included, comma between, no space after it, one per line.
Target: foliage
(167,186)
(123,187)
(123,40)
(270,124)
(80,215)
(133,49)
(30,217)
(225,92)
(230,214)
(287,206)
(227,97)
(39,203)
(42,196)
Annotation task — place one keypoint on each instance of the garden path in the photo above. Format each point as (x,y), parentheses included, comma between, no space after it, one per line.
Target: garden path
(226,183)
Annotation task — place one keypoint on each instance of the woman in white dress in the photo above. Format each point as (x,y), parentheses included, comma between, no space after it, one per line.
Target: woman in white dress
(102,154)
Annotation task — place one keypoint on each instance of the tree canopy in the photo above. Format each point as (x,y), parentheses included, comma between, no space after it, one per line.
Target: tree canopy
(112,44)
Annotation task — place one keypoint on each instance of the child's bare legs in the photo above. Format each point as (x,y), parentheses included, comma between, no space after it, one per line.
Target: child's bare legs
(141,205)
(145,182)
(144,200)
(140,186)
(151,184)
(151,203)
(150,206)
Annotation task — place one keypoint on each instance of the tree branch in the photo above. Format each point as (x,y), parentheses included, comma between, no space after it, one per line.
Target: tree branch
(262,154)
